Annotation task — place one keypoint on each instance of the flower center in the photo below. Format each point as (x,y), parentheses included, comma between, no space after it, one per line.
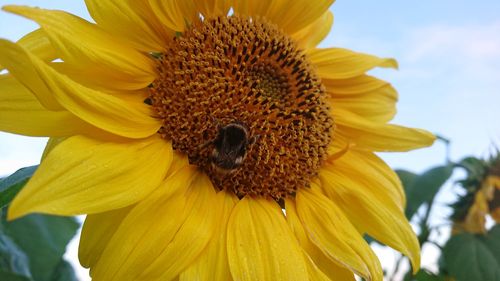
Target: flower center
(239,98)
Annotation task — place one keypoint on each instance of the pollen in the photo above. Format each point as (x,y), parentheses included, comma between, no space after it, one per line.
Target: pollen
(246,75)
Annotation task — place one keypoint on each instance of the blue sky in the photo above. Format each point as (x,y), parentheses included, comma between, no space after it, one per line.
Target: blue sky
(449,76)
(448,80)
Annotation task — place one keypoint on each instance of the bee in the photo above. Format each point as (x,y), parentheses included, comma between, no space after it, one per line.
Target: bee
(230,147)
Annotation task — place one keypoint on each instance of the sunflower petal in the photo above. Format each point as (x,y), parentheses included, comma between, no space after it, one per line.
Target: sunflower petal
(376,212)
(315,274)
(337,63)
(377,106)
(212,263)
(174,14)
(377,136)
(102,110)
(314,33)
(367,96)
(252,7)
(260,244)
(495,214)
(193,236)
(352,86)
(178,218)
(332,232)
(212,8)
(375,171)
(85,45)
(21,113)
(83,175)
(94,79)
(133,20)
(293,16)
(97,231)
(51,144)
(38,43)
(16,60)
(326,265)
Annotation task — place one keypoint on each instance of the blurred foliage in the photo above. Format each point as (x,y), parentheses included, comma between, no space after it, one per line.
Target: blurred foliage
(11,185)
(474,256)
(32,247)
(431,179)
(471,253)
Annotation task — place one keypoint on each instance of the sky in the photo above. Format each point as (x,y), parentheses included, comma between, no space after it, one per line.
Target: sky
(448,78)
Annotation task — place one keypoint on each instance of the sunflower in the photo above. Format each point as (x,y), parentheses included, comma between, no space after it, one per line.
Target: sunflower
(481,200)
(209,140)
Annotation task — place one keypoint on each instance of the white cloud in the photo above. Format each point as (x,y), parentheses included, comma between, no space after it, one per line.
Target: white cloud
(472,41)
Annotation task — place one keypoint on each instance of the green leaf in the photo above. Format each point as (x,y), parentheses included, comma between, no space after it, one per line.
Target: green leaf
(473,257)
(423,275)
(492,241)
(64,272)
(473,165)
(43,239)
(9,276)
(407,178)
(13,261)
(476,171)
(424,187)
(12,184)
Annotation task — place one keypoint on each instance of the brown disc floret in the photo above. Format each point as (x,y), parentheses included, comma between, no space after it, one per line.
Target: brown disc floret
(246,73)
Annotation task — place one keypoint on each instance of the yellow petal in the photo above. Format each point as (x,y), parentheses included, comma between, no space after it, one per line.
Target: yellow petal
(193,236)
(495,214)
(377,106)
(375,172)
(369,97)
(252,7)
(212,263)
(332,232)
(94,81)
(97,231)
(352,86)
(51,144)
(102,110)
(314,33)
(148,243)
(213,8)
(88,47)
(337,63)
(130,19)
(38,44)
(16,60)
(315,274)
(85,176)
(292,16)
(365,198)
(174,14)
(378,136)
(260,244)
(327,266)
(21,113)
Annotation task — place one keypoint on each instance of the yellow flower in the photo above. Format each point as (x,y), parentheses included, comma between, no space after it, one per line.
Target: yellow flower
(184,128)
(486,201)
